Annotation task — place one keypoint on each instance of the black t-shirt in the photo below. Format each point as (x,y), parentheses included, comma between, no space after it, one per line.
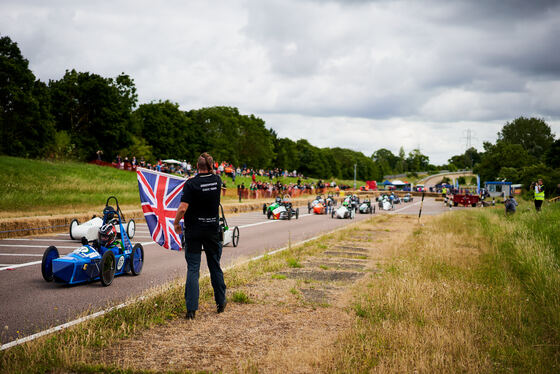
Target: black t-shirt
(202,193)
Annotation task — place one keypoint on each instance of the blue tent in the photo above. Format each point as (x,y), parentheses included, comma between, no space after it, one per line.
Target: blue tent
(387,183)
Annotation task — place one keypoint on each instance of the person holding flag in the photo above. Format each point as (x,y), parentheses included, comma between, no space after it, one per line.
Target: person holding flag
(199,206)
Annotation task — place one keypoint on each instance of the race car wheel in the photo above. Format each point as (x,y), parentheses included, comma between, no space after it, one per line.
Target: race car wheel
(297,213)
(137,259)
(289,214)
(235,236)
(268,214)
(73,224)
(332,213)
(46,265)
(264,208)
(131,229)
(107,268)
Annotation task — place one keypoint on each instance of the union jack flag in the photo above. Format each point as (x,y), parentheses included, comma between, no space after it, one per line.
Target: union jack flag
(160,195)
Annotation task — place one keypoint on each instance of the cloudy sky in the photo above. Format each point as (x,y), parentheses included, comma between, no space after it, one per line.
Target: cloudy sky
(356,74)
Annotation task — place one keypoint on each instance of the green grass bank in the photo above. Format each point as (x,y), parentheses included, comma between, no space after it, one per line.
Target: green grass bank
(36,187)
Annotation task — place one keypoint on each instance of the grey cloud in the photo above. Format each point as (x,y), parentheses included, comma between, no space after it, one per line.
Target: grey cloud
(429,65)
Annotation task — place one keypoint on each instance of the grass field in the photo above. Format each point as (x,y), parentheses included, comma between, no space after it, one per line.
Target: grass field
(34,187)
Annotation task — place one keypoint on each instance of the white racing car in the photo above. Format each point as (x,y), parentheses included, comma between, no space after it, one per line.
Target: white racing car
(345,211)
(385,202)
(366,207)
(90,228)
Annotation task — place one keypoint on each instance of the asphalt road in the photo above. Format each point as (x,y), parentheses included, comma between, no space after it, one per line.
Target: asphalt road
(29,304)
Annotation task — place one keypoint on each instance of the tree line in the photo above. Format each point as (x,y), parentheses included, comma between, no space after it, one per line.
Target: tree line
(525,150)
(82,112)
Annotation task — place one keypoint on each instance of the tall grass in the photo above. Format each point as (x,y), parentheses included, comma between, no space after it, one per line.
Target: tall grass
(472,291)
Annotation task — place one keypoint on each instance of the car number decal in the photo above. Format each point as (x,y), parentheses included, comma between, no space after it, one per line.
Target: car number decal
(278,210)
(86,252)
(120,263)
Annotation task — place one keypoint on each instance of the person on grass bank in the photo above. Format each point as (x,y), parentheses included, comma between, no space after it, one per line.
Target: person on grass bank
(538,188)
(199,206)
(510,205)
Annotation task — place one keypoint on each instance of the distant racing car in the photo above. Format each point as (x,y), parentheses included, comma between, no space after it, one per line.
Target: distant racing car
(100,259)
(281,209)
(321,206)
(366,207)
(407,198)
(345,211)
(385,202)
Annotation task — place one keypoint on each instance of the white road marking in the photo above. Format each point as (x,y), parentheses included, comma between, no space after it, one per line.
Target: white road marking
(42,240)
(21,254)
(20,265)
(33,246)
(272,221)
(403,208)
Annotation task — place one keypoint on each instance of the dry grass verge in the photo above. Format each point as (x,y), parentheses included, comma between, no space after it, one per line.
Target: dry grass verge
(470,292)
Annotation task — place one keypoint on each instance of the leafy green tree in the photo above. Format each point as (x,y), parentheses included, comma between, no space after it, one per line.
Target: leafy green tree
(230,136)
(286,154)
(401,164)
(95,111)
(533,134)
(167,132)
(553,155)
(467,160)
(385,160)
(509,174)
(311,162)
(26,125)
(138,148)
(256,146)
(472,157)
(416,161)
(499,155)
(532,173)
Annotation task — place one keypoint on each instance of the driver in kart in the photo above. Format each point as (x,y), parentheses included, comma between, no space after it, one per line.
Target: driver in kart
(107,236)
(286,201)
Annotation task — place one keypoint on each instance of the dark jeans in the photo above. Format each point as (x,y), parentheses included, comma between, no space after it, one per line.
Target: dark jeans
(213,248)
(538,204)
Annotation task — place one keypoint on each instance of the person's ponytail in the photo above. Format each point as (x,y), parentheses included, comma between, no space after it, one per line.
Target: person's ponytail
(205,162)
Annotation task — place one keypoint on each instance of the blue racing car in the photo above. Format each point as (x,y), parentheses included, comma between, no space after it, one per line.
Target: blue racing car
(110,254)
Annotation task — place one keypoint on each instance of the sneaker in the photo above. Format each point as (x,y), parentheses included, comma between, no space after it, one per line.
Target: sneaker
(190,314)
(221,307)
